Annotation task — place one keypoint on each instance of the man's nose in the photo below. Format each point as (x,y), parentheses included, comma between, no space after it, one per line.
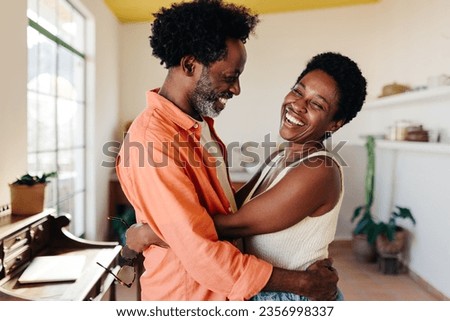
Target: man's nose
(235,89)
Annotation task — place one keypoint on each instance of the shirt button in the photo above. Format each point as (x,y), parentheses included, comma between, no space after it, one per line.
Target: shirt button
(196,125)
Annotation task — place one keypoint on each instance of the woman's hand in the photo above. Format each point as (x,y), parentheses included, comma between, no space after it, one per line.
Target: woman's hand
(140,236)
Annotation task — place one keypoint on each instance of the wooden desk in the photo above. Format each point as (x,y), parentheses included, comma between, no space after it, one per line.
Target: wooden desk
(24,237)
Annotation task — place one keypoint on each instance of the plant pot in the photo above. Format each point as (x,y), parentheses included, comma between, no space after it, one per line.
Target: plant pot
(384,246)
(363,250)
(27,200)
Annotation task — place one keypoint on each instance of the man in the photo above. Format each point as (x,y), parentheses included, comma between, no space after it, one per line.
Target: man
(173,179)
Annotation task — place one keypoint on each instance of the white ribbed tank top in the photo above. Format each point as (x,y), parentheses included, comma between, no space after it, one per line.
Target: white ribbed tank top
(298,246)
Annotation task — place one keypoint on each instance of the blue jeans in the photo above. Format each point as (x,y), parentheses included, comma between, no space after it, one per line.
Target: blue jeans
(286,296)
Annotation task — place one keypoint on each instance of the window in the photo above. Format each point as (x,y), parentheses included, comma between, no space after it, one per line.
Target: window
(56,104)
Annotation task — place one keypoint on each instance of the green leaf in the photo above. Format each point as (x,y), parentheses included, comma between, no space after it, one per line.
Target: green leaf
(357,212)
(370,171)
(360,227)
(372,232)
(29,180)
(401,212)
(390,233)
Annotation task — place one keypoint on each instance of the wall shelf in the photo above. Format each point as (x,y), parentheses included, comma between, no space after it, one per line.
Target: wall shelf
(426,95)
(420,147)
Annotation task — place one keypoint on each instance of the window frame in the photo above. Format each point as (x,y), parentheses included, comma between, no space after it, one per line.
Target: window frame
(78,226)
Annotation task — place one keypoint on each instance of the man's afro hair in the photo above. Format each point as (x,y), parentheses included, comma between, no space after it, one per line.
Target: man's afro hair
(199,28)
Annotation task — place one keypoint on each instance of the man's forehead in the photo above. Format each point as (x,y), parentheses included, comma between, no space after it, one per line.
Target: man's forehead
(234,60)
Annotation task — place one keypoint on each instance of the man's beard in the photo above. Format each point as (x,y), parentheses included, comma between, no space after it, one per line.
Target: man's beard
(203,98)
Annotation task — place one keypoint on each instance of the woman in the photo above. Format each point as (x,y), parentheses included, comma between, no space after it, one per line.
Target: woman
(290,208)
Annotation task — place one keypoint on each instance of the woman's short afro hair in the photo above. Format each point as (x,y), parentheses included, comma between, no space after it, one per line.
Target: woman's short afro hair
(349,79)
(199,28)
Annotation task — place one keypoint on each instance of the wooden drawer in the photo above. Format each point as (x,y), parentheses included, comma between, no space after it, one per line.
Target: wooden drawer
(39,236)
(16,259)
(15,241)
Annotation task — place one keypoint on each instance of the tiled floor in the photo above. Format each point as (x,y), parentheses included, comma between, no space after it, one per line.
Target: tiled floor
(358,281)
(364,282)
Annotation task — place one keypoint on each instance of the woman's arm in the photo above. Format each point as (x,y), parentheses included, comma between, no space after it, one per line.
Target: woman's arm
(310,189)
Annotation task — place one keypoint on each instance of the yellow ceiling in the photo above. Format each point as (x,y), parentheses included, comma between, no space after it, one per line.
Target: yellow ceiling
(141,10)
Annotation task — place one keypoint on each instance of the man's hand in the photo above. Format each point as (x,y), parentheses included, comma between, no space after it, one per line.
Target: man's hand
(318,282)
(140,236)
(323,278)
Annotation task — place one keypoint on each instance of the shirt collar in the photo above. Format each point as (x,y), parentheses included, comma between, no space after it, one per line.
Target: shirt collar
(175,114)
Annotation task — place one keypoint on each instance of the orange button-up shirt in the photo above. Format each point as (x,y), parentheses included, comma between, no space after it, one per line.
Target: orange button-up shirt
(172,184)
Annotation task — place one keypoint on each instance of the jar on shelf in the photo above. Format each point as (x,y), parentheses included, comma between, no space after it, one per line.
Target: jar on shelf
(401,129)
(417,134)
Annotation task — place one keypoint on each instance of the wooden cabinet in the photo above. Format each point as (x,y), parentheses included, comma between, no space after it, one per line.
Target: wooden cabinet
(24,237)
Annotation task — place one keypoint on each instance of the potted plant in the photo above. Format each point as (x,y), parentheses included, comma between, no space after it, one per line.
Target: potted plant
(391,238)
(364,233)
(28,193)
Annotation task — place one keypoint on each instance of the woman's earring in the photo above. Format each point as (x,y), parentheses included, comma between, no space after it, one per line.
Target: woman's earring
(328,134)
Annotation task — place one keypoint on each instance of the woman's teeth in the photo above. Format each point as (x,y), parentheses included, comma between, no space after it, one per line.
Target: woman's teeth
(292,120)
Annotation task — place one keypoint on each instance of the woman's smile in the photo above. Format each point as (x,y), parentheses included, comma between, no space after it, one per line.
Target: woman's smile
(292,119)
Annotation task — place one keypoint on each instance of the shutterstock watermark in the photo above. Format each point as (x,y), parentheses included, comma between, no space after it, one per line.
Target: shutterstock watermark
(187,151)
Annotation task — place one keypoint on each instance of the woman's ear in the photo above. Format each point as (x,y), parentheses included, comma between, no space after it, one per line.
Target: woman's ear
(188,65)
(335,125)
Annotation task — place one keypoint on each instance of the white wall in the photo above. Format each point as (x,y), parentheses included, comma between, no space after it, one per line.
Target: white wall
(405,41)
(13,96)
(139,70)
(103,102)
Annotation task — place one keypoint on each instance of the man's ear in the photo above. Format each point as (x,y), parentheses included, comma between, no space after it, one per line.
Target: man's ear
(188,64)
